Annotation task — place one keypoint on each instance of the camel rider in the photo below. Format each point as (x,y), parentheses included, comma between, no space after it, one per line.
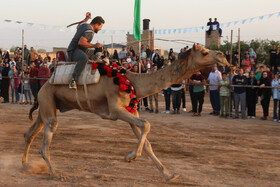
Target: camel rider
(80,43)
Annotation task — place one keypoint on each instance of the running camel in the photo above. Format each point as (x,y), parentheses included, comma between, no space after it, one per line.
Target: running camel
(108,102)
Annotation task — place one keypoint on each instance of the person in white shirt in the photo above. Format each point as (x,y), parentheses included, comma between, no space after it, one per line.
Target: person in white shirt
(12,62)
(214,78)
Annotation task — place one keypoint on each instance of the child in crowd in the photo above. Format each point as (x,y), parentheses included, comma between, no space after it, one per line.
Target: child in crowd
(224,95)
(27,92)
(275,85)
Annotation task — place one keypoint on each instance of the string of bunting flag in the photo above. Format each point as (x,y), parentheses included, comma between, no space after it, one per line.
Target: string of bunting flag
(156,31)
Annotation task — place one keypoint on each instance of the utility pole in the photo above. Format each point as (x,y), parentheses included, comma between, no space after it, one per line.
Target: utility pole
(22,60)
(230,63)
(239,60)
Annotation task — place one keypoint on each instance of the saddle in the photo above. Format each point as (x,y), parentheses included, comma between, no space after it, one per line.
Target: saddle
(63,74)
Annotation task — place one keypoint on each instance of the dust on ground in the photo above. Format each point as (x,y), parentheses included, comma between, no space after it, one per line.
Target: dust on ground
(89,151)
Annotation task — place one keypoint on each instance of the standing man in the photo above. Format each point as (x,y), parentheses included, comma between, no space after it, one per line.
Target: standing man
(80,43)
(26,55)
(272,57)
(240,93)
(214,78)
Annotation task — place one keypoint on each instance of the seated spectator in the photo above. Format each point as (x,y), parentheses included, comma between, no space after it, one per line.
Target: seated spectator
(220,30)
(240,93)
(44,72)
(224,95)
(210,24)
(275,85)
(198,81)
(251,96)
(265,94)
(216,23)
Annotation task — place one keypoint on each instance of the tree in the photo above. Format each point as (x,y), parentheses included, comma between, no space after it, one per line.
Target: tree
(41,51)
(13,48)
(261,47)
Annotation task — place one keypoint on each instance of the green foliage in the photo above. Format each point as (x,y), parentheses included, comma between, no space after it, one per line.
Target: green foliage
(13,48)
(261,47)
(41,51)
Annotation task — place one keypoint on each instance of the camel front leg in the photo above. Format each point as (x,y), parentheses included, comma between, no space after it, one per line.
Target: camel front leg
(142,124)
(148,149)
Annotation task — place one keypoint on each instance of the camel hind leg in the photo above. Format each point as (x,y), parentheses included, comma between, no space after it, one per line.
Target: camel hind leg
(49,129)
(48,116)
(30,135)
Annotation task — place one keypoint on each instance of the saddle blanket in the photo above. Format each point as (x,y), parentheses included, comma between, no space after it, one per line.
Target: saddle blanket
(63,74)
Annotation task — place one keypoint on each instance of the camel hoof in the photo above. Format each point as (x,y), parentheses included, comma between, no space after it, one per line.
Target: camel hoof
(24,164)
(172,178)
(130,157)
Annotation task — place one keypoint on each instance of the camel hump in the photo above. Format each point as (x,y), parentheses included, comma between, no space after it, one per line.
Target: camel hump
(63,74)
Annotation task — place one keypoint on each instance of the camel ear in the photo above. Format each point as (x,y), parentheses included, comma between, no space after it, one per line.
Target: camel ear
(194,47)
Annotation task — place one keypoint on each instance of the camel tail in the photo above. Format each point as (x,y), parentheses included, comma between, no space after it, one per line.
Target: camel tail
(34,107)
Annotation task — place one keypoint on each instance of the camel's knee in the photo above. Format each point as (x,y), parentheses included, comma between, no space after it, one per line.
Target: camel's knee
(146,127)
(52,124)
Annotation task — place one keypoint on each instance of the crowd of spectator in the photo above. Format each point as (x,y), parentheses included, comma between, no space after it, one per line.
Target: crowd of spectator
(22,80)
(25,76)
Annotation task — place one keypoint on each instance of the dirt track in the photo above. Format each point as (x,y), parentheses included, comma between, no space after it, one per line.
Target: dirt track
(88,151)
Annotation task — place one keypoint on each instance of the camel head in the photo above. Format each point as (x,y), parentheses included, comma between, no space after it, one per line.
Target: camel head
(202,57)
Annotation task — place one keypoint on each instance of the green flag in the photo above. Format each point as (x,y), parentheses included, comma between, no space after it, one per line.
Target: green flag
(137,20)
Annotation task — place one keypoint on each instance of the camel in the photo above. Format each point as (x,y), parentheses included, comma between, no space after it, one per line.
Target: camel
(108,102)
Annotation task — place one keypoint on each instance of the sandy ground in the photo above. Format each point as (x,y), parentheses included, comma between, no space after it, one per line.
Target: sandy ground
(89,151)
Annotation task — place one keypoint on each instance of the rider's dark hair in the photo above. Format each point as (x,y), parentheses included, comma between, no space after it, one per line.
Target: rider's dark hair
(97,20)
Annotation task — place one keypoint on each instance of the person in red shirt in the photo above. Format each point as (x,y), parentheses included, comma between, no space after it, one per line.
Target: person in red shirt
(270,75)
(44,72)
(33,74)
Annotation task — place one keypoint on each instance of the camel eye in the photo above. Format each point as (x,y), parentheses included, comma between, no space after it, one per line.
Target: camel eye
(205,53)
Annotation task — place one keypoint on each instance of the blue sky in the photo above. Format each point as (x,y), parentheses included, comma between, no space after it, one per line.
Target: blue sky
(164,14)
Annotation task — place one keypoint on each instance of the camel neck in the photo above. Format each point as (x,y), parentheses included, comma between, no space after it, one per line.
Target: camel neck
(150,83)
